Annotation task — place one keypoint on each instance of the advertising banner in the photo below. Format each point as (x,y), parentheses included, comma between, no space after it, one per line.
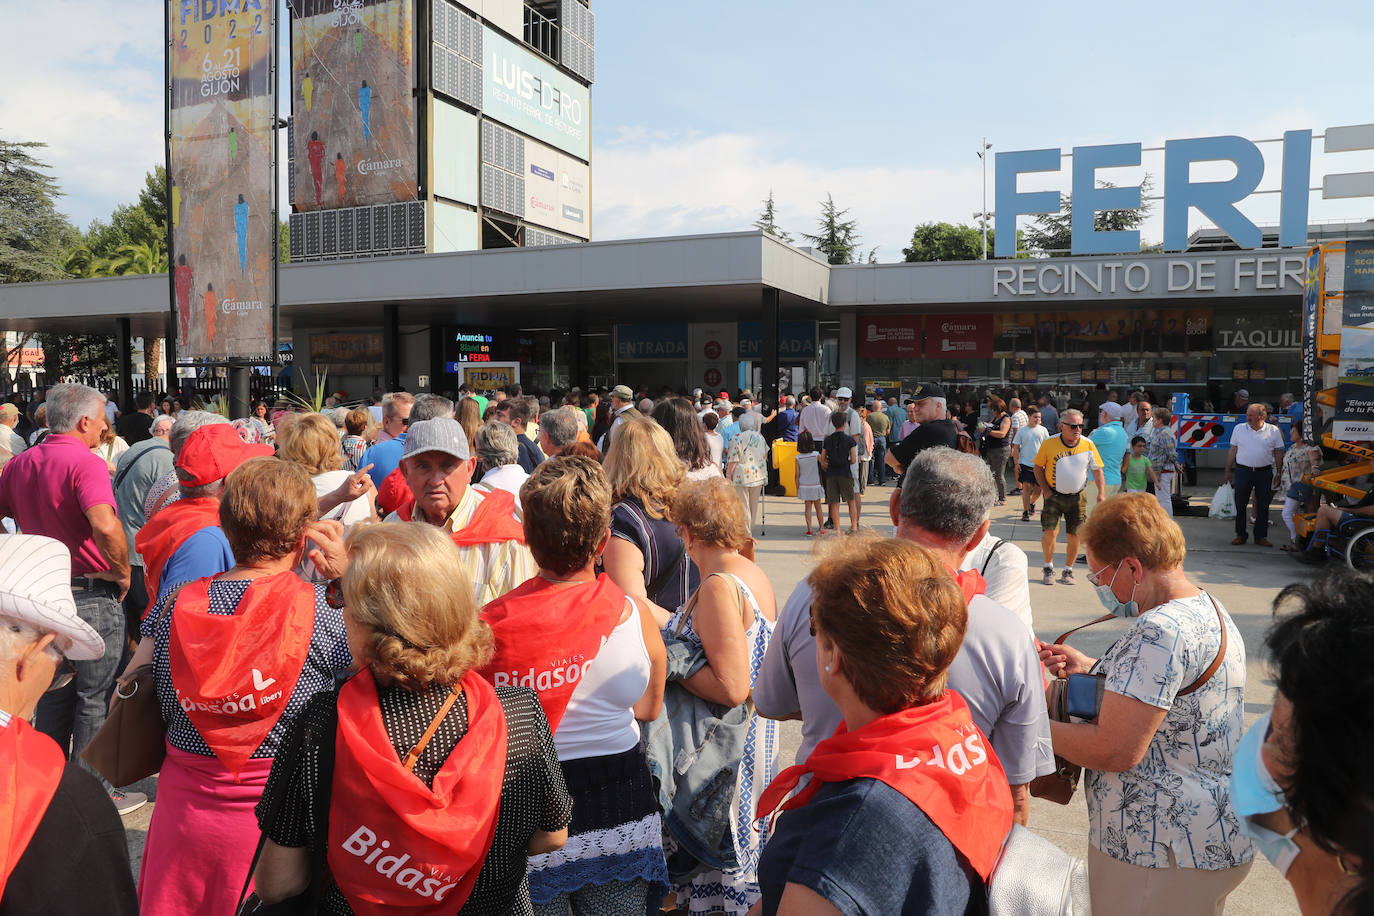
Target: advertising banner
(352,354)
(353,113)
(796,340)
(1355,389)
(532,96)
(489,376)
(958,336)
(890,337)
(650,342)
(1311,301)
(557,190)
(713,356)
(221,114)
(1115,332)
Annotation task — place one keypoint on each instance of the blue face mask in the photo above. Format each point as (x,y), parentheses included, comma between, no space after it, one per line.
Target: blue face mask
(1254,791)
(1113,604)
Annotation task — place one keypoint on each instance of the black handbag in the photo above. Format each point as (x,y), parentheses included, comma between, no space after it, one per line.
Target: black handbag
(306,903)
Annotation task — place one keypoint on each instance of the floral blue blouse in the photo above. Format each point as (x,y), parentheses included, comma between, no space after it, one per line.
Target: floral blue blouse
(1178,796)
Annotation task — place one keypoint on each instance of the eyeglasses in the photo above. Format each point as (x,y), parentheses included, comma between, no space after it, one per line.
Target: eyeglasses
(64,675)
(333,594)
(1095,578)
(1072,425)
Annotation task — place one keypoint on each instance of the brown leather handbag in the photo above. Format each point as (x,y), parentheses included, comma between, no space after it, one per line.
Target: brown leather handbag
(1060,785)
(132,742)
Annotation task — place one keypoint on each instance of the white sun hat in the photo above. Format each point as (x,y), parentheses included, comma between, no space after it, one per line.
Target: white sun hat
(36,588)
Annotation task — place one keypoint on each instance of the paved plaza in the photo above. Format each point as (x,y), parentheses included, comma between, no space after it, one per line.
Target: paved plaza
(1245,579)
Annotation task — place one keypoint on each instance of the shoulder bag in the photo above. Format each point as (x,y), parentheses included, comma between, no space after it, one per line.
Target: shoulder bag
(1060,785)
(320,743)
(132,742)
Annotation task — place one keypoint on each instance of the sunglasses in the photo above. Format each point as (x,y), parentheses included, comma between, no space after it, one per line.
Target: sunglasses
(333,594)
(64,675)
(1072,425)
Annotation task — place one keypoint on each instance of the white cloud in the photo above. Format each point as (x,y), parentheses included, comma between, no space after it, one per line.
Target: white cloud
(648,183)
(85,77)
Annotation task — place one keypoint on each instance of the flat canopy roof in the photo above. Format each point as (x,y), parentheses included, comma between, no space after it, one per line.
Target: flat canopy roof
(703,277)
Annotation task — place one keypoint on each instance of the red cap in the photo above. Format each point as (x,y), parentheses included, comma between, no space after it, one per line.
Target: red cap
(212,452)
(725,394)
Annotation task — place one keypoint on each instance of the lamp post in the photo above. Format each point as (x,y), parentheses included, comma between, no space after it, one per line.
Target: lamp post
(983,155)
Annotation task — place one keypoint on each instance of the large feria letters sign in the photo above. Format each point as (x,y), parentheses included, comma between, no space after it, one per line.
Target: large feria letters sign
(221,111)
(1214,199)
(353,112)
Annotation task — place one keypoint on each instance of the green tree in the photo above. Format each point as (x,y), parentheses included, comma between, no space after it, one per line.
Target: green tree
(768,221)
(284,242)
(946,242)
(153,198)
(33,234)
(1052,233)
(838,238)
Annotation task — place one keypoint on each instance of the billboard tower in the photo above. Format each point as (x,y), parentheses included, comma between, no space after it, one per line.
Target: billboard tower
(431,126)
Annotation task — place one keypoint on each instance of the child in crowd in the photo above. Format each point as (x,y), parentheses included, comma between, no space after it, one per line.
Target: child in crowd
(809,487)
(839,454)
(1136,470)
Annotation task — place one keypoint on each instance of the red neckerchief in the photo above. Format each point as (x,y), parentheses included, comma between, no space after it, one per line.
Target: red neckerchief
(971,581)
(394,496)
(30,768)
(167,531)
(493,522)
(932,754)
(394,844)
(234,673)
(547,636)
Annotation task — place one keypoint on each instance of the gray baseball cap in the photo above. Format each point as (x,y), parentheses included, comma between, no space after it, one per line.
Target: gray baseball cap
(441,434)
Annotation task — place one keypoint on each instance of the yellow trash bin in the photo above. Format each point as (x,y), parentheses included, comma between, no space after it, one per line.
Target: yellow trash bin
(784,459)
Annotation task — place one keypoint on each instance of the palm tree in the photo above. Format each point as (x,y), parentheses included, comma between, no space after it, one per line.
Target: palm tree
(138,258)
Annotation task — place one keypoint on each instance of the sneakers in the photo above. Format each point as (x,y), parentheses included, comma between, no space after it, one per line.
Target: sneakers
(810,533)
(1048,577)
(1066,576)
(127,802)
(1025,515)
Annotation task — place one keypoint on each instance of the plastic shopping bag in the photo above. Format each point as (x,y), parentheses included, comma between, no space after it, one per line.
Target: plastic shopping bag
(1223,502)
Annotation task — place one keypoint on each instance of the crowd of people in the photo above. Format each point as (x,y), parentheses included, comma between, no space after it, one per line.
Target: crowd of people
(496,655)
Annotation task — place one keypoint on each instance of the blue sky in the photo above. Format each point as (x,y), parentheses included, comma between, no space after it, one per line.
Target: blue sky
(700,109)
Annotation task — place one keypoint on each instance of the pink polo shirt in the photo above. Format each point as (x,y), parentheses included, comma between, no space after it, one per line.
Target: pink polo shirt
(48,489)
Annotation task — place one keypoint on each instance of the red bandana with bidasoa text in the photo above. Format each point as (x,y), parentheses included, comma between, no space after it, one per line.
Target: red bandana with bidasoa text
(395,845)
(547,635)
(234,673)
(935,756)
(30,768)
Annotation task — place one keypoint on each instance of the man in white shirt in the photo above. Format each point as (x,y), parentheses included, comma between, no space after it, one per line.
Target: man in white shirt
(622,402)
(1255,461)
(1023,448)
(815,417)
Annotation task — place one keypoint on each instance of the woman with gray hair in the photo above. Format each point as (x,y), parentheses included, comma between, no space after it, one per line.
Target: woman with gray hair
(499,454)
(60,820)
(746,465)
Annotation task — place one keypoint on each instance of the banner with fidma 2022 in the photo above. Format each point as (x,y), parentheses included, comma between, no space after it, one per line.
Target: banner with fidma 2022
(221,111)
(352,107)
(1355,387)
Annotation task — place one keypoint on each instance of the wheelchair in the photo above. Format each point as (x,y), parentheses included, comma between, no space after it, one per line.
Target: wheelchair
(1352,540)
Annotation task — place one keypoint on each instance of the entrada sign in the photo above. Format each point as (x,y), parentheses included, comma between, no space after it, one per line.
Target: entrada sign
(1214,199)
